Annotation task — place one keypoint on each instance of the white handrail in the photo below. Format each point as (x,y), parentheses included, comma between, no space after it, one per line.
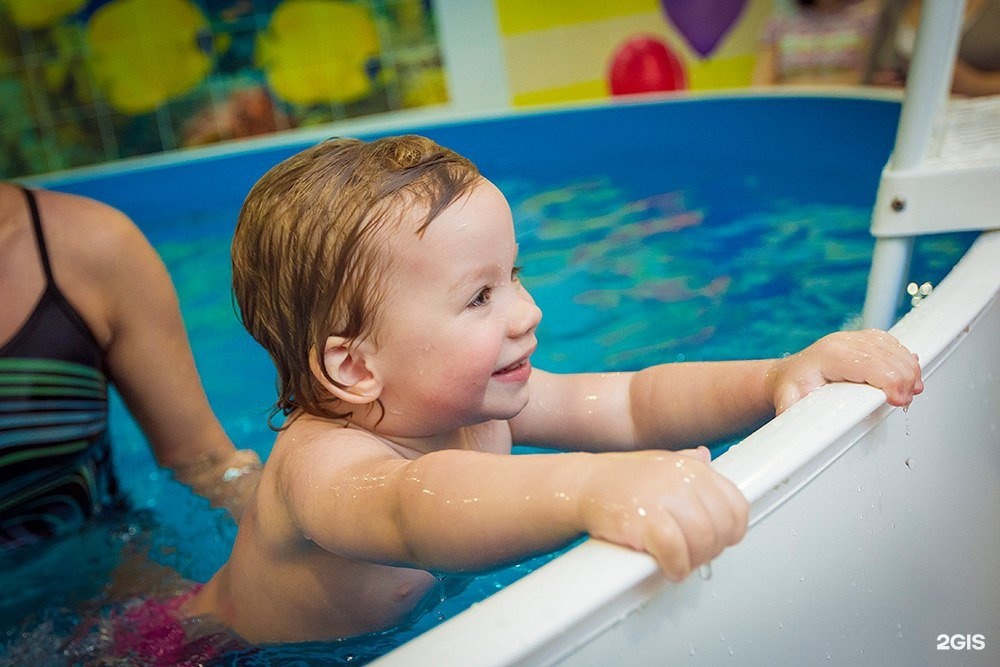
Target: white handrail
(927,86)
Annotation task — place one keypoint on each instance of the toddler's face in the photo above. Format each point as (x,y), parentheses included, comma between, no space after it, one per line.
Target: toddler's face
(457,327)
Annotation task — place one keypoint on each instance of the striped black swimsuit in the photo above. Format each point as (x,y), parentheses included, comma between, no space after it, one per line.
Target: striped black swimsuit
(55,463)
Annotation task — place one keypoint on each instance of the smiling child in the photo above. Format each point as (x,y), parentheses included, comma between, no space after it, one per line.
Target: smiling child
(382,279)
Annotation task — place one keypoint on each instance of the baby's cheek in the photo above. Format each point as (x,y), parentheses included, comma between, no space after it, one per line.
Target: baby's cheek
(467,376)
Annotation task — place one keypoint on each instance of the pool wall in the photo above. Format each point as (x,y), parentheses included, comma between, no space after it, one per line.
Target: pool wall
(846,139)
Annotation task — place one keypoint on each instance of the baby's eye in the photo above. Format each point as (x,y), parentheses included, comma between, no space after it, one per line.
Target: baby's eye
(515,274)
(482,298)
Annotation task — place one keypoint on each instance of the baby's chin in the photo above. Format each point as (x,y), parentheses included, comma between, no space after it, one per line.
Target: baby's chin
(520,408)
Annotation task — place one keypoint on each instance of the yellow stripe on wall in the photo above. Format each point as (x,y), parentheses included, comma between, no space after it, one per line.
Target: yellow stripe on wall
(584,90)
(715,74)
(718,73)
(518,16)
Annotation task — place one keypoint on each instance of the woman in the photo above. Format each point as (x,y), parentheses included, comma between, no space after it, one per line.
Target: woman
(85,301)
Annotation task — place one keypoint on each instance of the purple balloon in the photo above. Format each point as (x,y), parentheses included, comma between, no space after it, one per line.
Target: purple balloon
(703,23)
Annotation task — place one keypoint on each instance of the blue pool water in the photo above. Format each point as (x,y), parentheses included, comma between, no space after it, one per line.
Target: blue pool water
(649,233)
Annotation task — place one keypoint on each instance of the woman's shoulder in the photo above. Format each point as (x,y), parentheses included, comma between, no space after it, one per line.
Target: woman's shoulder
(93,240)
(85,219)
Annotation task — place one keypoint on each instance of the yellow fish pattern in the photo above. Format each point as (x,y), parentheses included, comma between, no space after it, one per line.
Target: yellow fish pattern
(34,14)
(145,52)
(316,51)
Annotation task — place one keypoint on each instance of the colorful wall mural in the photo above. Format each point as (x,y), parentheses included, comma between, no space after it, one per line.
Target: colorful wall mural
(87,81)
(587,49)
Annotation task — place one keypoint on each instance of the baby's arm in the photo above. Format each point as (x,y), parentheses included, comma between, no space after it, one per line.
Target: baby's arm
(460,510)
(683,404)
(711,401)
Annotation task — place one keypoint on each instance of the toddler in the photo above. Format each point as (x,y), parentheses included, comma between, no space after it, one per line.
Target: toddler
(382,279)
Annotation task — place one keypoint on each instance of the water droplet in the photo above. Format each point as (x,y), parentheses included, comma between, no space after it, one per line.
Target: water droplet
(705,571)
(908,463)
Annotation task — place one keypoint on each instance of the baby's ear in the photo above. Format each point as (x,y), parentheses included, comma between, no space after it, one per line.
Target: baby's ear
(354,381)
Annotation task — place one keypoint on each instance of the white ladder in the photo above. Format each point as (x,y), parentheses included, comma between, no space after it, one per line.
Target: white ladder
(944,171)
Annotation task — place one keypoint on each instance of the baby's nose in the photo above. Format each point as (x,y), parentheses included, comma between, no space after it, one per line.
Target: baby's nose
(526,316)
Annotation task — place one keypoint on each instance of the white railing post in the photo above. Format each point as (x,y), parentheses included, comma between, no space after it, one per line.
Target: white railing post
(927,86)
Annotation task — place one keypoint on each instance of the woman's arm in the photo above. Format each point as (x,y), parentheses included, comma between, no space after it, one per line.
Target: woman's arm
(967,80)
(117,281)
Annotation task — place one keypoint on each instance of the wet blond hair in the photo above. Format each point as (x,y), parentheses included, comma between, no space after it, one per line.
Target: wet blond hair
(312,238)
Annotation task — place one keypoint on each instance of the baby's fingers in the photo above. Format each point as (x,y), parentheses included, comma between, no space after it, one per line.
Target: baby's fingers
(889,366)
(699,453)
(902,384)
(666,543)
(697,530)
(730,509)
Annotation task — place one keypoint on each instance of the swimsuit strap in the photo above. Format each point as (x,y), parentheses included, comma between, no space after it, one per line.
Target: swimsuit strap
(36,221)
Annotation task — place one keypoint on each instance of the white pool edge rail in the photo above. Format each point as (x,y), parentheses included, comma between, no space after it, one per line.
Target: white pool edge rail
(598,584)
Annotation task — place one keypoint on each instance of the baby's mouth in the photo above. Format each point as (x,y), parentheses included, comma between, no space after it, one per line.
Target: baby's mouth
(514,366)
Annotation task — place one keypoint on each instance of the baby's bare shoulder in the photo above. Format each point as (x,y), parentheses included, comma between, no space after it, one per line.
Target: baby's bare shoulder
(316,448)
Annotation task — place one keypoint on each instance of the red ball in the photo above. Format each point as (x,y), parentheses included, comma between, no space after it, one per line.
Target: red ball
(645,65)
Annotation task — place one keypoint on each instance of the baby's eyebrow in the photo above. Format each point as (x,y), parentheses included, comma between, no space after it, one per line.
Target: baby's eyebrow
(472,280)
(476,278)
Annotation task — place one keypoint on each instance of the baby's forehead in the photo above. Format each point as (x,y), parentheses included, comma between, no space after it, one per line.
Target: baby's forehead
(414,209)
